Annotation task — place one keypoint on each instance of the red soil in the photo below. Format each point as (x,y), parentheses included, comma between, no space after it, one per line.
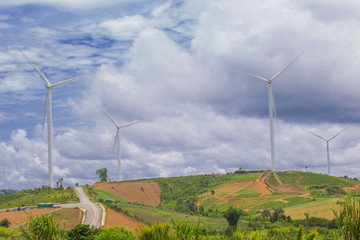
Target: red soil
(19,217)
(117,219)
(147,193)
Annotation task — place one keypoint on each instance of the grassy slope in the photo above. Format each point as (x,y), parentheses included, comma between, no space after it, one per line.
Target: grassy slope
(307,179)
(248,198)
(32,197)
(174,188)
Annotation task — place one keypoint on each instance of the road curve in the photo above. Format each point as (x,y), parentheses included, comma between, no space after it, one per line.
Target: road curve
(93,211)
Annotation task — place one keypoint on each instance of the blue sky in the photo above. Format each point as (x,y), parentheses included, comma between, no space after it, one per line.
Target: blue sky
(176,65)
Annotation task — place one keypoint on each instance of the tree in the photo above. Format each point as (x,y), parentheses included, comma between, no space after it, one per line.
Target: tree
(103,174)
(60,184)
(83,232)
(232,216)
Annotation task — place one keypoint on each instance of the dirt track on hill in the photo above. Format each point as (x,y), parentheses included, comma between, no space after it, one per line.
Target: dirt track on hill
(286,188)
(147,193)
(225,192)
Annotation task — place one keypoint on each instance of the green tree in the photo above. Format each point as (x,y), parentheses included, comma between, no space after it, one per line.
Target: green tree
(44,227)
(115,233)
(5,223)
(82,232)
(103,174)
(232,216)
(60,184)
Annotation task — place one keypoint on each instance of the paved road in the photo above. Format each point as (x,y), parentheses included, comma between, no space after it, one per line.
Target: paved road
(93,211)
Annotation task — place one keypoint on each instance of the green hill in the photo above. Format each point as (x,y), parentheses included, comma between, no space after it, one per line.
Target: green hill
(210,195)
(31,197)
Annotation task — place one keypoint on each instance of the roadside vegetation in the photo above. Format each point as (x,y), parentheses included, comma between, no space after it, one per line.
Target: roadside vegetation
(31,197)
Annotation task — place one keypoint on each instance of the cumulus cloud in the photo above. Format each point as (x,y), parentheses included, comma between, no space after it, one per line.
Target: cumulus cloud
(177,67)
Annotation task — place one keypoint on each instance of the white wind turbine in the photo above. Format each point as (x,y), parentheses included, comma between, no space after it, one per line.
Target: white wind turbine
(327,145)
(272,110)
(117,139)
(48,113)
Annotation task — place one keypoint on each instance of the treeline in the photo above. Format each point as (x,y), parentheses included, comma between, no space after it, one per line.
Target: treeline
(4,192)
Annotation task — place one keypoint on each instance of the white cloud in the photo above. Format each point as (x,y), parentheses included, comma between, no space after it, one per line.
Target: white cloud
(68,4)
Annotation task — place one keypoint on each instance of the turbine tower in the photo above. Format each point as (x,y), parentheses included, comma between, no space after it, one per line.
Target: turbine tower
(272,110)
(48,113)
(327,145)
(117,139)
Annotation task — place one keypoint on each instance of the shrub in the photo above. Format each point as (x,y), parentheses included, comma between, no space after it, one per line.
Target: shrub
(82,232)
(159,231)
(5,223)
(115,233)
(348,218)
(43,227)
(184,229)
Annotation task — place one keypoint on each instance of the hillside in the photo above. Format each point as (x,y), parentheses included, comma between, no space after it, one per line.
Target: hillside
(211,194)
(31,197)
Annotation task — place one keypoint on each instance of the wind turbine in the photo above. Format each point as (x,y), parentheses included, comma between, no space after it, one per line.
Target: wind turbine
(272,110)
(117,139)
(48,113)
(327,145)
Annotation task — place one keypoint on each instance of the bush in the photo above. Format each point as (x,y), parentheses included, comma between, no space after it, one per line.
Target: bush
(348,218)
(43,227)
(5,223)
(82,232)
(115,233)
(160,231)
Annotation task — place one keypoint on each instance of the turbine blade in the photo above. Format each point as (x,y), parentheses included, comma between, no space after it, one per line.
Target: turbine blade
(70,80)
(113,120)
(129,124)
(116,139)
(255,76)
(336,135)
(284,68)
(316,135)
(37,70)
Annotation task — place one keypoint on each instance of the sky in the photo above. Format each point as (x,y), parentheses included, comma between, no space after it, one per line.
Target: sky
(177,66)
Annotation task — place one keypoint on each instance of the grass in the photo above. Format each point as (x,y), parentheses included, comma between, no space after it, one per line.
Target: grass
(68,217)
(150,215)
(307,179)
(31,197)
(317,208)
(174,188)
(107,196)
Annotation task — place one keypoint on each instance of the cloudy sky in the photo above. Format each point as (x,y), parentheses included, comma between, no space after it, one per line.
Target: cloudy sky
(176,65)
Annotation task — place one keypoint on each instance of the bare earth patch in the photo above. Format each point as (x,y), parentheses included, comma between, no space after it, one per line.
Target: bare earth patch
(19,217)
(290,189)
(147,193)
(117,219)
